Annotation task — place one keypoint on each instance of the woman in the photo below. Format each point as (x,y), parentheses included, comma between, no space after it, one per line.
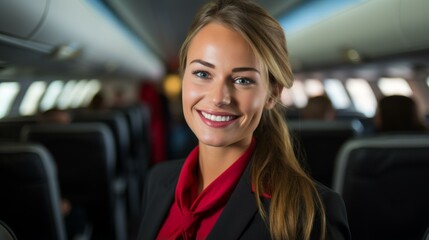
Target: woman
(243,180)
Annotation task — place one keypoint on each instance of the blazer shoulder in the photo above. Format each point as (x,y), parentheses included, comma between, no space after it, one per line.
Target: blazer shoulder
(165,171)
(167,167)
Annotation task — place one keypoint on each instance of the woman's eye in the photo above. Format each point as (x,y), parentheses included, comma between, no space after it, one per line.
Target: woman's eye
(201,74)
(243,81)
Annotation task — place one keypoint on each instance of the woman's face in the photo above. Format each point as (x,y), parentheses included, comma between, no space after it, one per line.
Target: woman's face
(224,88)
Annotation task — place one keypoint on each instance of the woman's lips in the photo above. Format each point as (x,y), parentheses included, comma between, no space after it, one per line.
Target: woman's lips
(217,120)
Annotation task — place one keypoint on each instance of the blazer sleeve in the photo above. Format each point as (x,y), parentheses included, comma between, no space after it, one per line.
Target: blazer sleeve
(337,226)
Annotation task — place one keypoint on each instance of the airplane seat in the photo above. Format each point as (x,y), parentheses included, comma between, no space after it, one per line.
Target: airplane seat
(348,114)
(6,233)
(292,113)
(367,122)
(142,110)
(426,236)
(384,182)
(85,157)
(117,122)
(137,116)
(30,199)
(317,142)
(10,128)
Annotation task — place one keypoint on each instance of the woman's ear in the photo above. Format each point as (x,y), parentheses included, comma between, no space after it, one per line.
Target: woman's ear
(274,96)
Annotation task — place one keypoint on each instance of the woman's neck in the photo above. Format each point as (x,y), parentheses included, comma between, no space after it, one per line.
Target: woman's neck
(213,161)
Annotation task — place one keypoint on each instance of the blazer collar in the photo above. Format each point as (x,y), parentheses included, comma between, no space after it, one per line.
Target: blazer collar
(238,211)
(230,224)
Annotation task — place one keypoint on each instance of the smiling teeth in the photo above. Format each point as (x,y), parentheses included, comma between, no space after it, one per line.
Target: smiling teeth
(217,118)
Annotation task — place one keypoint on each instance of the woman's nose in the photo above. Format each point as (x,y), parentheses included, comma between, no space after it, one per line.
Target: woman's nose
(220,94)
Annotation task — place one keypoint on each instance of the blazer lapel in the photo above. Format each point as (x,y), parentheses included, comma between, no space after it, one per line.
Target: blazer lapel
(238,211)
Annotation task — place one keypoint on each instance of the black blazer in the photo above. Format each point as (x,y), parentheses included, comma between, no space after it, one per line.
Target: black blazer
(239,219)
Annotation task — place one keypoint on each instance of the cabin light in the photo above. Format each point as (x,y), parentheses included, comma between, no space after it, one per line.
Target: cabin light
(66,51)
(172,85)
(353,56)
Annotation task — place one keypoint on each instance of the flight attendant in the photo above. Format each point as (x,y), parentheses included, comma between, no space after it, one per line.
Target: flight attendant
(243,180)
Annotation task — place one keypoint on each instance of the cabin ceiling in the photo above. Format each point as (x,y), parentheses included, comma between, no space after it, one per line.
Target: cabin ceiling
(370,29)
(140,39)
(163,24)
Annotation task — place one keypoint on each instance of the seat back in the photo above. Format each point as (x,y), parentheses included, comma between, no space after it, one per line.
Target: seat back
(126,172)
(317,143)
(85,156)
(30,199)
(117,123)
(6,233)
(384,181)
(426,236)
(137,117)
(10,128)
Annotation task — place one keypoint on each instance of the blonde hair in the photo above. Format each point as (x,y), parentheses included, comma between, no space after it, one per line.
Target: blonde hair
(295,202)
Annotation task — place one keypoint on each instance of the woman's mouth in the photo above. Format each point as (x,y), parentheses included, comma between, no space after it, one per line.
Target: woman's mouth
(217,120)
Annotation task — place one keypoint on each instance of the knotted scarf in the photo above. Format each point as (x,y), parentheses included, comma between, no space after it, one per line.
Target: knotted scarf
(193,215)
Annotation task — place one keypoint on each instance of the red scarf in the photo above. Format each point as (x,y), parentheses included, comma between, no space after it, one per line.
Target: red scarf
(193,216)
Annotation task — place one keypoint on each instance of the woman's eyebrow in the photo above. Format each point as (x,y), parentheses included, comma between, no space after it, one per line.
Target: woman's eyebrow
(238,69)
(245,69)
(207,64)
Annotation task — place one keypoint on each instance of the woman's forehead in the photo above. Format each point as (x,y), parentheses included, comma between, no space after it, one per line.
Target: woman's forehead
(216,40)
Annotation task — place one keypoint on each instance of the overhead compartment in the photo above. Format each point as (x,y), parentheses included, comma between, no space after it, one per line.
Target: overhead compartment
(70,37)
(372,29)
(20,18)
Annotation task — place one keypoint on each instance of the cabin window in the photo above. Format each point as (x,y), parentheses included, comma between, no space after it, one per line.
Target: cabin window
(314,87)
(32,97)
(362,96)
(286,97)
(76,95)
(394,86)
(298,94)
(51,95)
(8,93)
(83,89)
(66,95)
(91,88)
(337,93)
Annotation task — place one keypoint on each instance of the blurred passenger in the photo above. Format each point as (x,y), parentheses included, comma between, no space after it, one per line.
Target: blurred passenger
(56,116)
(156,102)
(120,98)
(98,102)
(398,113)
(319,108)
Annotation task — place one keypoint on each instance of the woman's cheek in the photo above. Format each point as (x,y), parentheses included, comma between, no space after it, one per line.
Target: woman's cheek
(191,92)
